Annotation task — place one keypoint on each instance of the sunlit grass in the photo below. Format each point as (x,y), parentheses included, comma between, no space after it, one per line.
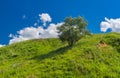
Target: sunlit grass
(50,58)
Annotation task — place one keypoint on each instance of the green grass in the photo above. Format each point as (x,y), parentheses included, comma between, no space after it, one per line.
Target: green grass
(50,58)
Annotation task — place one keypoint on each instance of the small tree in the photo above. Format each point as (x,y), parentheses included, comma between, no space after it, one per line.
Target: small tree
(72,30)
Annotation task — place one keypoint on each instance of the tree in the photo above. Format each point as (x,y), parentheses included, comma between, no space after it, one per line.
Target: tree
(72,30)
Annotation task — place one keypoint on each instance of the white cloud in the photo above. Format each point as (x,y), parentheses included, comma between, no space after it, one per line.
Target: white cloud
(113,24)
(35,33)
(2,45)
(45,17)
(51,31)
(26,34)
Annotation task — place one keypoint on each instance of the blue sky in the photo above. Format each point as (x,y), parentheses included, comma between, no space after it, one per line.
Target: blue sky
(18,14)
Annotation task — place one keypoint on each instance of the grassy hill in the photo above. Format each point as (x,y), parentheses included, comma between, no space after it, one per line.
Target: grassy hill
(96,56)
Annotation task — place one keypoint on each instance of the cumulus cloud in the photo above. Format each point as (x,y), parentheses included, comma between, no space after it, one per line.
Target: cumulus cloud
(45,17)
(2,45)
(51,31)
(35,33)
(26,34)
(113,24)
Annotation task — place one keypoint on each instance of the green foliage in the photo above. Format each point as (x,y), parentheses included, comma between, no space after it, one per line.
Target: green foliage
(49,58)
(72,30)
(113,39)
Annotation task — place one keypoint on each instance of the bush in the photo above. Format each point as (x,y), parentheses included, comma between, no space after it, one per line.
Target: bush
(113,39)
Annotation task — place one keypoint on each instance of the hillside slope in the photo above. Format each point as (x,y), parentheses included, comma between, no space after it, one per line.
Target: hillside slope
(92,57)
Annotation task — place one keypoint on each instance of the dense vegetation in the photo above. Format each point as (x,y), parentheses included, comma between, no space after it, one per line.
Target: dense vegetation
(92,57)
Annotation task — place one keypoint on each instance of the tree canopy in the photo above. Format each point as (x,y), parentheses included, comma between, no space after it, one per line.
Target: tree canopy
(73,29)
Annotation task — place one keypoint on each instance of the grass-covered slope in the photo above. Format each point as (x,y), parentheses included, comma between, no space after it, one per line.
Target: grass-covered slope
(92,57)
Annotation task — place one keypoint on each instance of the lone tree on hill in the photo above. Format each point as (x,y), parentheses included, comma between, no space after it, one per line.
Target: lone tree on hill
(73,30)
